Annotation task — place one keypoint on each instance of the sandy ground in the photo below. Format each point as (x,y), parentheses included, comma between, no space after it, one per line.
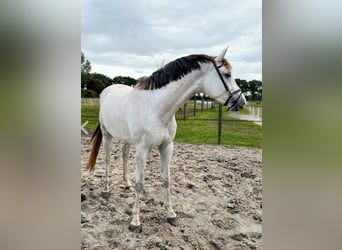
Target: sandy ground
(216,193)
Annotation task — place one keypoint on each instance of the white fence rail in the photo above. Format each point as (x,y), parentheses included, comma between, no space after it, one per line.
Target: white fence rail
(255,113)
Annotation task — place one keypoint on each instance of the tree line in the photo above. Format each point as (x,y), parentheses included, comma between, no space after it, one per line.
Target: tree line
(92,84)
(251,89)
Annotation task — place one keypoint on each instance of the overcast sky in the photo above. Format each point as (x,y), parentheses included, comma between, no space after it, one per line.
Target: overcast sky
(135,37)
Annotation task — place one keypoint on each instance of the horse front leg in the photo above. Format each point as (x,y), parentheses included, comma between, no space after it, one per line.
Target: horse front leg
(141,155)
(165,157)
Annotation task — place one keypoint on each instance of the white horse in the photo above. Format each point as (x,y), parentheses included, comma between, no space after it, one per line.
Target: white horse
(145,115)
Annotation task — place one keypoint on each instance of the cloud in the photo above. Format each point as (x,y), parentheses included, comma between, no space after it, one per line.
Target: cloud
(140,35)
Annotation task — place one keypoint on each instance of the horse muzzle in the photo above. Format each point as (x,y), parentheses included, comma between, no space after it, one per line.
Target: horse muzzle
(236,104)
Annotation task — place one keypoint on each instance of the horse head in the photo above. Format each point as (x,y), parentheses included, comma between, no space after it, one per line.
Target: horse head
(220,84)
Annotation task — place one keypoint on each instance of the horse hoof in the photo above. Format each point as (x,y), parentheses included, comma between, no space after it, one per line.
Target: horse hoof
(172,221)
(135,229)
(105,194)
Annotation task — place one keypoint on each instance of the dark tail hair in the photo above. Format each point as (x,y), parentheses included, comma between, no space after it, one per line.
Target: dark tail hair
(96,139)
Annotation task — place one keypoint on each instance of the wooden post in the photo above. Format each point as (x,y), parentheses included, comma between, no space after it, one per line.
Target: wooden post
(219,130)
(184,112)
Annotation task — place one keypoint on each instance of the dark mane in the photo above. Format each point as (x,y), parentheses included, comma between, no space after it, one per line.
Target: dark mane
(172,71)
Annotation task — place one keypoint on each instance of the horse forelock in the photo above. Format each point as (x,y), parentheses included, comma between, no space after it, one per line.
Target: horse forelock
(227,65)
(172,71)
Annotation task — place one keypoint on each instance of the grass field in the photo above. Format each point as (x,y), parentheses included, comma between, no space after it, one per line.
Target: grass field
(201,129)
(90,112)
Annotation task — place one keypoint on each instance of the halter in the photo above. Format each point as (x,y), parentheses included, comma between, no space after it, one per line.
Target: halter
(231,94)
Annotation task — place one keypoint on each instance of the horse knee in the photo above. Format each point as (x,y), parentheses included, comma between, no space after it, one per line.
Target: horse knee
(139,187)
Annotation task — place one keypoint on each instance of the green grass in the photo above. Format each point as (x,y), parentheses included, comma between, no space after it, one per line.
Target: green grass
(90,112)
(201,129)
(234,132)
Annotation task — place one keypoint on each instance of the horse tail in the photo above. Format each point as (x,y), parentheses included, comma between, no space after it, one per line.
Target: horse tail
(96,139)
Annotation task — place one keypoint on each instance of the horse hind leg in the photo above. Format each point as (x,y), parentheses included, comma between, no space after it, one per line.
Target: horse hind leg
(125,154)
(107,144)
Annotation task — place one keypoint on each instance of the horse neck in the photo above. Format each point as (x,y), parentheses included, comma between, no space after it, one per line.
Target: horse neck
(173,96)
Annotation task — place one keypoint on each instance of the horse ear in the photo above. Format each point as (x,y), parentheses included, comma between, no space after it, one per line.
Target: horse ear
(221,56)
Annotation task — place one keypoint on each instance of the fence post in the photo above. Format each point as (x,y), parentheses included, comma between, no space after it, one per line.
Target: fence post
(219,125)
(184,112)
(195,105)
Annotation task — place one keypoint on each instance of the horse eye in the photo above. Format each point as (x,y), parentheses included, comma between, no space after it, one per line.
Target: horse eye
(227,75)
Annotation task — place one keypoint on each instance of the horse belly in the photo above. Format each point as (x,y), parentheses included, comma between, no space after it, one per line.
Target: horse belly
(117,127)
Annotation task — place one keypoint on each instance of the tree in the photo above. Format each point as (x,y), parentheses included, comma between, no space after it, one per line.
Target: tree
(243,84)
(103,78)
(85,65)
(92,84)
(124,80)
(255,87)
(95,85)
